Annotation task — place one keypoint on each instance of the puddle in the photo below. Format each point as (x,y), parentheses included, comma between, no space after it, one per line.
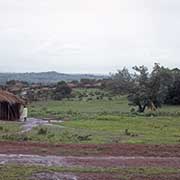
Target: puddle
(33,122)
(53,176)
(33,160)
(71,161)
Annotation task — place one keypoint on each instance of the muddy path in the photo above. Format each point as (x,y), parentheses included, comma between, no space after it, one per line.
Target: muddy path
(33,122)
(94,162)
(102,176)
(92,156)
(110,162)
(86,150)
(54,176)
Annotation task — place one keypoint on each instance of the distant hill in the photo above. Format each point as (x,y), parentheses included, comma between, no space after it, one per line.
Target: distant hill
(46,77)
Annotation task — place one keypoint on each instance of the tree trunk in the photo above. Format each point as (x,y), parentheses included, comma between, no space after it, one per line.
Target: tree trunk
(141,109)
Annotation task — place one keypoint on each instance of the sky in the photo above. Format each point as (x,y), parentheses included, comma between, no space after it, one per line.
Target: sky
(88,36)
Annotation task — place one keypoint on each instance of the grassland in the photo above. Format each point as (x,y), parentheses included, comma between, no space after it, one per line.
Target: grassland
(95,116)
(6,127)
(86,103)
(111,129)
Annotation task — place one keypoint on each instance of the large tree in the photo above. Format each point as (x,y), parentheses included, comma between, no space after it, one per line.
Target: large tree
(147,89)
(150,89)
(120,82)
(62,90)
(173,96)
(139,91)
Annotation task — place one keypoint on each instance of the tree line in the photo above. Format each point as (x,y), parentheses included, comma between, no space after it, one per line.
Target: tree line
(147,89)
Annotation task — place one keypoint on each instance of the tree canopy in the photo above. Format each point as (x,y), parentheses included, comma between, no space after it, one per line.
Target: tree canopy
(147,89)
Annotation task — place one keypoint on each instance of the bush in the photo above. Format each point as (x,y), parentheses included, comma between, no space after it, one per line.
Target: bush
(127,133)
(42,131)
(84,138)
(16,137)
(101,97)
(89,99)
(62,91)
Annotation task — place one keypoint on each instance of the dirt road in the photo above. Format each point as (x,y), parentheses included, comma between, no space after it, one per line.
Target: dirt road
(92,156)
(93,162)
(90,149)
(110,161)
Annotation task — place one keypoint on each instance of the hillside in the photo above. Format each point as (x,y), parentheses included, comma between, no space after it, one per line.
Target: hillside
(46,77)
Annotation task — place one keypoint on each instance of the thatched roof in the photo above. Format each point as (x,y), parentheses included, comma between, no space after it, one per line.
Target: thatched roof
(10,98)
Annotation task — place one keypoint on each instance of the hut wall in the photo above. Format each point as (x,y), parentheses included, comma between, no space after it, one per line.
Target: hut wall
(9,112)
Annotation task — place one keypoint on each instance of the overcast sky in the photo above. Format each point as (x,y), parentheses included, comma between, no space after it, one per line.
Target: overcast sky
(88,36)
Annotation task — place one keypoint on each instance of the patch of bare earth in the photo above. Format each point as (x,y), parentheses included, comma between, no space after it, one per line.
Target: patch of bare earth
(159,177)
(102,176)
(134,177)
(82,176)
(53,176)
(92,156)
(90,162)
(124,162)
(90,149)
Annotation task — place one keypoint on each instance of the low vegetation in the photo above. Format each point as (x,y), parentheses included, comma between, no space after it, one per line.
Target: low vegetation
(16,172)
(85,106)
(105,121)
(88,119)
(111,129)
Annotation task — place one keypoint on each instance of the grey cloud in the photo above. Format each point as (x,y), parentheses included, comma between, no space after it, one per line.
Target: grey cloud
(88,35)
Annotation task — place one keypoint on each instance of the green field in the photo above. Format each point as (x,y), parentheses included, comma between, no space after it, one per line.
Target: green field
(112,129)
(91,102)
(75,109)
(105,120)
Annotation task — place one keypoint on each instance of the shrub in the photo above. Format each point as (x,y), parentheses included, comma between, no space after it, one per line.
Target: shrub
(16,137)
(42,131)
(84,138)
(89,99)
(126,132)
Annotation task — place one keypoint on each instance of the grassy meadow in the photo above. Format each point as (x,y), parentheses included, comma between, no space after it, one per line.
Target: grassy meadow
(86,103)
(111,129)
(95,116)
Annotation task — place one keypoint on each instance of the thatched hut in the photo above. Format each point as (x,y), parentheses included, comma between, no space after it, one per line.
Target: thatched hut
(10,106)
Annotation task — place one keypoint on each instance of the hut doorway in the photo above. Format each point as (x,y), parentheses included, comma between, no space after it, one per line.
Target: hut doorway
(10,106)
